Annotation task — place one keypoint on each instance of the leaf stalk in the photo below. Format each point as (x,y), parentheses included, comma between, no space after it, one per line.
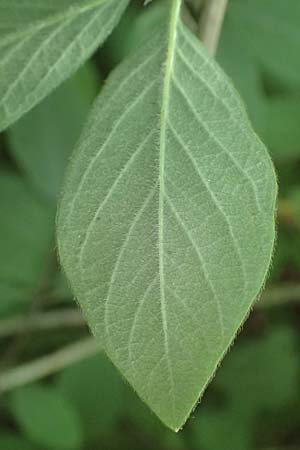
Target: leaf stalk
(211,23)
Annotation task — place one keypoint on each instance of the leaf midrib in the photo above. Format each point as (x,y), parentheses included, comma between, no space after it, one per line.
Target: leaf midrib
(53,19)
(174,17)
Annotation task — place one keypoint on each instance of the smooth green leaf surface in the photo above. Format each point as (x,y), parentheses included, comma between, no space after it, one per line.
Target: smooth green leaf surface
(42,141)
(222,429)
(47,417)
(166,225)
(282,131)
(238,61)
(14,442)
(43,43)
(133,29)
(100,405)
(267,365)
(264,370)
(26,233)
(270,29)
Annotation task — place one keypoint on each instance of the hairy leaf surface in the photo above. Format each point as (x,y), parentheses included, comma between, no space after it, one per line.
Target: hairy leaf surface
(166,224)
(43,43)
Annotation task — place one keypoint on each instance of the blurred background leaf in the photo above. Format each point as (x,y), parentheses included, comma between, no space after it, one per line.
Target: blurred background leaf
(101,404)
(47,418)
(42,141)
(13,442)
(270,28)
(26,233)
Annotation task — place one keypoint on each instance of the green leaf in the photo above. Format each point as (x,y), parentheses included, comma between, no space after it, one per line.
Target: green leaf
(26,233)
(282,131)
(267,365)
(47,417)
(260,375)
(221,429)
(60,292)
(43,43)
(133,29)
(96,389)
(166,225)
(43,139)
(242,66)
(14,442)
(271,29)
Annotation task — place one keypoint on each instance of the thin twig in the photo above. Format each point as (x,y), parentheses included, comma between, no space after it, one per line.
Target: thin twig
(49,364)
(72,353)
(211,23)
(41,322)
(67,318)
(289,447)
(279,295)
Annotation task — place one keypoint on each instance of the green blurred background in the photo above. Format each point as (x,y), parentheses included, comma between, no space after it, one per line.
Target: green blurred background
(254,400)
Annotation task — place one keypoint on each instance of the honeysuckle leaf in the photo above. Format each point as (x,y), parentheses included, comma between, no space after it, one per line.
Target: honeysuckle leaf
(43,43)
(166,224)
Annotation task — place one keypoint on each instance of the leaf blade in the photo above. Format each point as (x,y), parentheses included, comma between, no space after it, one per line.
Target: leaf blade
(170,265)
(47,46)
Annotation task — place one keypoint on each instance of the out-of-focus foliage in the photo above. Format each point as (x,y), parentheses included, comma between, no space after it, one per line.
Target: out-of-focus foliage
(26,232)
(265,381)
(14,442)
(270,29)
(42,141)
(254,401)
(47,417)
(98,408)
